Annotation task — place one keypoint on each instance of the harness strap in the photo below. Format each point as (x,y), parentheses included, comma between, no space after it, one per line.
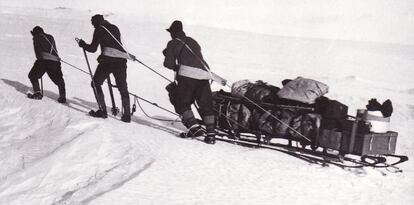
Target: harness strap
(119,43)
(191,50)
(213,76)
(52,48)
(179,55)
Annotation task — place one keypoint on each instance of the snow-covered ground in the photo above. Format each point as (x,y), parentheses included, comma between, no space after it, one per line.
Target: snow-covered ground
(56,154)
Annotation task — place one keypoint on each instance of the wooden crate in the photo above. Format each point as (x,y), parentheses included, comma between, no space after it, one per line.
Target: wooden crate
(352,141)
(375,143)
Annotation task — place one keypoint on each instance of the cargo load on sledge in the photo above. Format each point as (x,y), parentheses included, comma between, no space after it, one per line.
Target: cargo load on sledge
(299,112)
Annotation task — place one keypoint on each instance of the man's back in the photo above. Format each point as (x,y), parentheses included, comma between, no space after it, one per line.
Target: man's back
(44,43)
(109,36)
(176,50)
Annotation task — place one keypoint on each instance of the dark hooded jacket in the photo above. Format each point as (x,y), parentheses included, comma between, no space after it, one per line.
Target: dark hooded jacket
(177,53)
(104,39)
(45,47)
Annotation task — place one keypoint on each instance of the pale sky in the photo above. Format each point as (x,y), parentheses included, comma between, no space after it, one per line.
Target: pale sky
(366,20)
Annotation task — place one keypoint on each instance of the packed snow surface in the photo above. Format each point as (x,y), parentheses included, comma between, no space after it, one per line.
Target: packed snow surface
(55,153)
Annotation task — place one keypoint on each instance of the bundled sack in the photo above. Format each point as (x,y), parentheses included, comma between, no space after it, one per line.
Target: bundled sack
(231,114)
(331,109)
(303,90)
(306,124)
(266,123)
(257,92)
(262,92)
(333,112)
(239,117)
(239,88)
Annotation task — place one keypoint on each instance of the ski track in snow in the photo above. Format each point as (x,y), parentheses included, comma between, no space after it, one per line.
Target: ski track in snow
(56,154)
(106,181)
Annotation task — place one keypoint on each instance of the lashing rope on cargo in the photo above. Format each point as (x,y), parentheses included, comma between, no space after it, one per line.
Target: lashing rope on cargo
(223,82)
(274,117)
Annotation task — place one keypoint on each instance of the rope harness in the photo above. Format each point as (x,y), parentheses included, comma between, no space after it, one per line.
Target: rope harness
(223,82)
(136,97)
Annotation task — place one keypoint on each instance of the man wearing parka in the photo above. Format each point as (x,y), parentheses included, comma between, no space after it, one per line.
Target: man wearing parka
(183,55)
(113,59)
(47,61)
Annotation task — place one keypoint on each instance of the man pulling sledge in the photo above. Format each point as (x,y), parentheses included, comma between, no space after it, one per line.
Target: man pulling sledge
(48,62)
(183,55)
(113,59)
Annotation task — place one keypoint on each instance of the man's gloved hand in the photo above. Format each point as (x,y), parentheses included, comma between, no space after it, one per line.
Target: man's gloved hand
(132,57)
(81,43)
(176,68)
(164,52)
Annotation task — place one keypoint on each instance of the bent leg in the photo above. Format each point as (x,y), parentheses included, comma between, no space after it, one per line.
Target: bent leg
(185,98)
(54,71)
(120,75)
(101,73)
(35,73)
(205,101)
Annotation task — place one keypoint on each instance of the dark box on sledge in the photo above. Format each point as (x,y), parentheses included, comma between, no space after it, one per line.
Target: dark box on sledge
(362,144)
(362,126)
(374,143)
(331,139)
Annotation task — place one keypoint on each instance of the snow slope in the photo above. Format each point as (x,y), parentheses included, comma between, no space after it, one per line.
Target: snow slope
(56,154)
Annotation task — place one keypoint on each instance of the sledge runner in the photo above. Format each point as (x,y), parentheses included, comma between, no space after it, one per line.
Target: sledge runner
(48,61)
(113,59)
(193,82)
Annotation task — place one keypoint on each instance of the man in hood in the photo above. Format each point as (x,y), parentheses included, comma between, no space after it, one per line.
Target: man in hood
(183,55)
(113,59)
(47,61)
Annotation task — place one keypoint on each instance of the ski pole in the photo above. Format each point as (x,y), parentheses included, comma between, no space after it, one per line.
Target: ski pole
(95,92)
(41,84)
(114,109)
(131,94)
